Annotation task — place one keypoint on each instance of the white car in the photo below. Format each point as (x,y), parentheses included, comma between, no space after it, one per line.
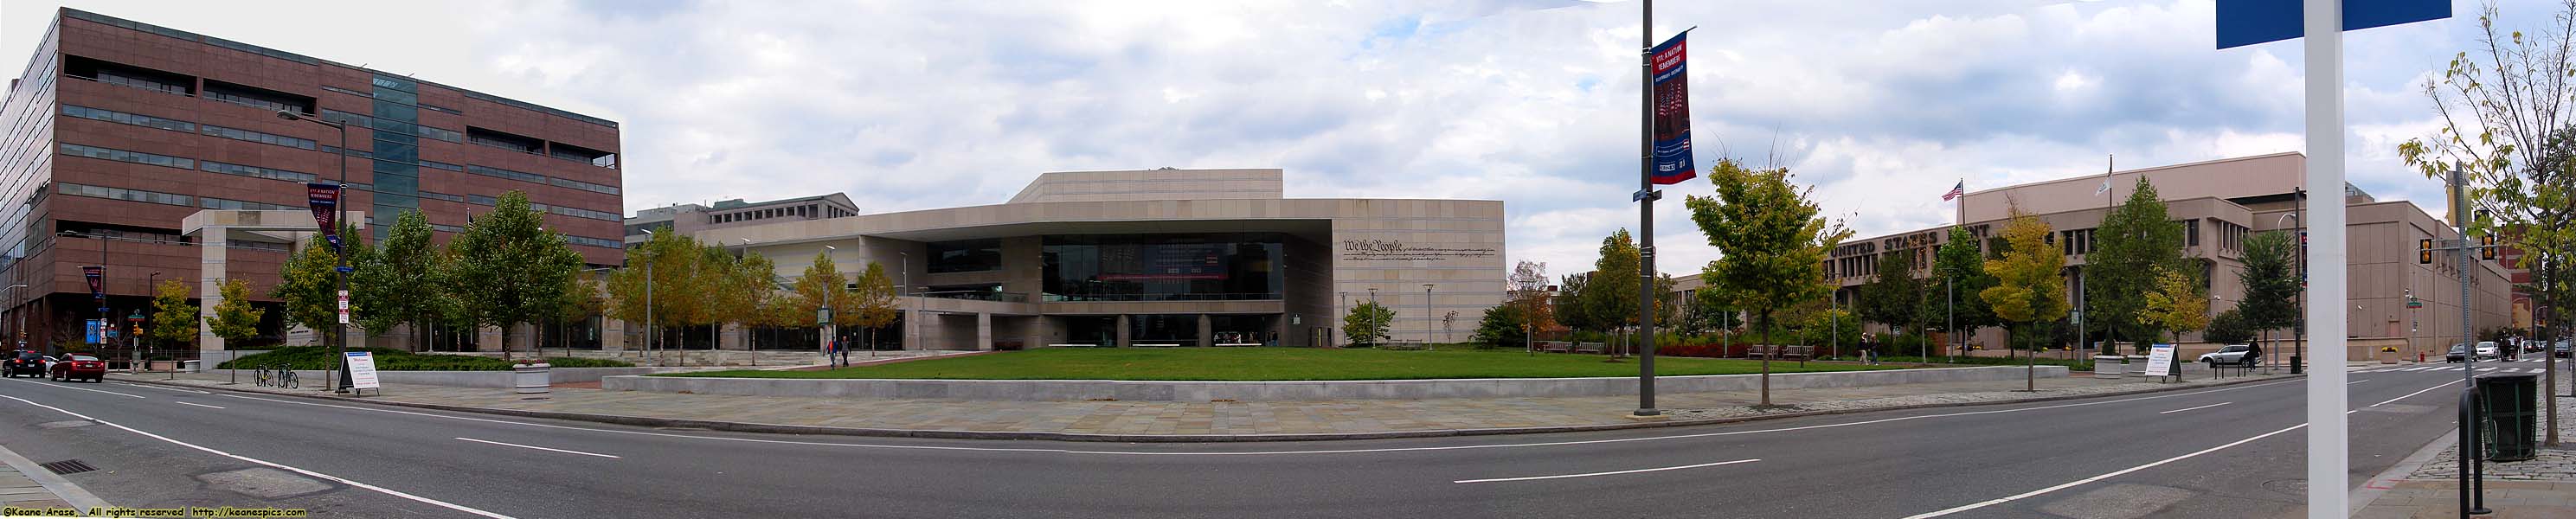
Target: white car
(2238,354)
(2488,350)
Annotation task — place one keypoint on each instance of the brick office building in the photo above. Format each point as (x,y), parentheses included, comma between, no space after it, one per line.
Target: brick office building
(119,130)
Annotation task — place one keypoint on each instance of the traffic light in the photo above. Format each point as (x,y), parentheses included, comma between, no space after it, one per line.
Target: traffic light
(2424,251)
(2487,247)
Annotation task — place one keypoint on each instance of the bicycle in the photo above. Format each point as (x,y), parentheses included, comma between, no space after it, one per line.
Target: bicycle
(286,377)
(260,376)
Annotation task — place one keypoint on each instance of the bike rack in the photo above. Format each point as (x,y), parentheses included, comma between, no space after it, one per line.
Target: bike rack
(2473,487)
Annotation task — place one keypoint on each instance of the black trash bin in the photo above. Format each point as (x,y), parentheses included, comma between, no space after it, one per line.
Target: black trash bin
(2512,417)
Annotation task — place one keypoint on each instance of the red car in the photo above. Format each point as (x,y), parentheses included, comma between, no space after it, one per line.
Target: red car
(80,367)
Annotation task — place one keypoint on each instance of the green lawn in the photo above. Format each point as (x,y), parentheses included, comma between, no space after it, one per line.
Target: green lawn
(1278,364)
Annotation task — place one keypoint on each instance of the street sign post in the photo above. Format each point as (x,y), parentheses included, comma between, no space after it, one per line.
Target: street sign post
(344,307)
(2322,22)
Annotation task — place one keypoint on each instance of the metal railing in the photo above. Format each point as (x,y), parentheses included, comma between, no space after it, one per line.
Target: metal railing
(1071,298)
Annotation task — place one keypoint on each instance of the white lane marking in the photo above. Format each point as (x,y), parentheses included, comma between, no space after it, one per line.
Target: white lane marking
(2063,486)
(182,390)
(341,480)
(2486,369)
(78,388)
(2191,408)
(2417,392)
(192,403)
(1586,475)
(1261,453)
(537,448)
(2356,382)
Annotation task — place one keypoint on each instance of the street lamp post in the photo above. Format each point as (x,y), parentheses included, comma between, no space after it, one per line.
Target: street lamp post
(1426,315)
(340,333)
(150,287)
(831,319)
(103,319)
(2298,334)
(1373,324)
(909,330)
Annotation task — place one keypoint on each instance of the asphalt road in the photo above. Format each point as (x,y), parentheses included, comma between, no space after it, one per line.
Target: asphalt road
(2225,452)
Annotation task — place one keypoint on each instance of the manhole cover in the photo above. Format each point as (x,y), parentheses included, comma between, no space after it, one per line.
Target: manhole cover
(2296,487)
(67,466)
(66,424)
(262,482)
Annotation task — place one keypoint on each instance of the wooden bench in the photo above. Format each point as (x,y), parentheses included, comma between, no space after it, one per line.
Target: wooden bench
(1589,347)
(1154,345)
(1788,352)
(1552,346)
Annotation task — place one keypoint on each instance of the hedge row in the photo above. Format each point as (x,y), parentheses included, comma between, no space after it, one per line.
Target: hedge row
(321,358)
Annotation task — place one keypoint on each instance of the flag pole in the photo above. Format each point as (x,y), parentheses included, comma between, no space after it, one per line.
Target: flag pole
(1646,212)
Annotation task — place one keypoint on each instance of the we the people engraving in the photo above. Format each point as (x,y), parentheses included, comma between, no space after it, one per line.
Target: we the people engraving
(1397,250)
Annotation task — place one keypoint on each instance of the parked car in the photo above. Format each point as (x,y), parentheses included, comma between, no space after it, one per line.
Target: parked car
(23,362)
(2458,353)
(2236,354)
(2488,350)
(80,367)
(2561,348)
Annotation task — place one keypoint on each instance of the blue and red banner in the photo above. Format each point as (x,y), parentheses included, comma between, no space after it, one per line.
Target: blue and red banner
(1672,115)
(324,199)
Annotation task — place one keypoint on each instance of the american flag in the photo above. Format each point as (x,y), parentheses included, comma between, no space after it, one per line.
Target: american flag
(1956,191)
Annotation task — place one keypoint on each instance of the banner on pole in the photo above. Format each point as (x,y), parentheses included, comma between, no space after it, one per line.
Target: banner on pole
(1672,114)
(96,291)
(324,199)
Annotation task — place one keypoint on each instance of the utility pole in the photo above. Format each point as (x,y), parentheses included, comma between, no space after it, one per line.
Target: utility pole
(1645,198)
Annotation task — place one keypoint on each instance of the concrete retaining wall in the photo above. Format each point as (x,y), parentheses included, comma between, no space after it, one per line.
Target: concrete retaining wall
(1071,390)
(487,379)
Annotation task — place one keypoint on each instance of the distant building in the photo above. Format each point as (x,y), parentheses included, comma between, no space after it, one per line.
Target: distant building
(2219,203)
(1151,257)
(690,219)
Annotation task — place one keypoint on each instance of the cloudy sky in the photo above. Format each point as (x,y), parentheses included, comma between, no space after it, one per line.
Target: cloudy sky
(908,105)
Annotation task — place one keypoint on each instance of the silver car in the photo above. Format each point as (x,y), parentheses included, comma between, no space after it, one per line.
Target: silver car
(2235,354)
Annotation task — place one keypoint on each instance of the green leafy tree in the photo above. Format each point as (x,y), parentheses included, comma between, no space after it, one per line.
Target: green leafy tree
(1709,314)
(877,298)
(174,321)
(1528,292)
(1893,297)
(2230,327)
(2177,302)
(1500,325)
(1367,324)
(236,319)
(2028,289)
(1960,267)
(1772,243)
(508,268)
(2271,280)
(309,283)
(1610,302)
(2134,241)
(821,286)
(1570,305)
(399,284)
(659,285)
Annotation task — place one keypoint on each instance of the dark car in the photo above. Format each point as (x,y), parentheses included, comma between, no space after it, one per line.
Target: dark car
(24,362)
(2457,351)
(2562,348)
(80,367)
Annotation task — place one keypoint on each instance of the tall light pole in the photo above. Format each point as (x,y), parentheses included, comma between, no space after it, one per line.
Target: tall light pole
(909,330)
(150,286)
(649,256)
(104,322)
(340,333)
(831,319)
(1373,324)
(2298,334)
(1426,315)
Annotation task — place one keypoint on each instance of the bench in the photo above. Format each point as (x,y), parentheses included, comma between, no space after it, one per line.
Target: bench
(1074,345)
(1790,352)
(1552,346)
(1589,347)
(1404,345)
(1154,345)
(1237,344)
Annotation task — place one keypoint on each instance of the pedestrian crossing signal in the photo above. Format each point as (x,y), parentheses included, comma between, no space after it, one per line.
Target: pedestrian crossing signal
(2424,251)
(2487,247)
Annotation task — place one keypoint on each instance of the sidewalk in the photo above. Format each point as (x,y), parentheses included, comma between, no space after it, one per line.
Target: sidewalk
(2544,486)
(1204,421)
(25,493)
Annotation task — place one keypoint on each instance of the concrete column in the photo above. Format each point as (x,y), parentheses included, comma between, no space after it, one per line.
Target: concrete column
(1207,331)
(1122,330)
(210,266)
(612,335)
(732,337)
(911,329)
(983,331)
(487,338)
(1286,334)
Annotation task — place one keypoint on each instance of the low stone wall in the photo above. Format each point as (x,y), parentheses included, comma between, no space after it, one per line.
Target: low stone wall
(1075,390)
(486,379)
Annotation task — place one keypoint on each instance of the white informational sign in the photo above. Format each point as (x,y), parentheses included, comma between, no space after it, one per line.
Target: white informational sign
(2160,361)
(344,307)
(362,370)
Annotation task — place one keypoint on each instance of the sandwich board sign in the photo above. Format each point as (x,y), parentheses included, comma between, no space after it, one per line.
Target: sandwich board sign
(362,371)
(2160,361)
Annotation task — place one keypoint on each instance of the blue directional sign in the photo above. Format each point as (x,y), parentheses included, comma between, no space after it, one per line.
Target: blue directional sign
(2248,22)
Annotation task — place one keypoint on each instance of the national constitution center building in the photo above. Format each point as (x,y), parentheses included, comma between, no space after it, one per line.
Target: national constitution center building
(165,147)
(1173,257)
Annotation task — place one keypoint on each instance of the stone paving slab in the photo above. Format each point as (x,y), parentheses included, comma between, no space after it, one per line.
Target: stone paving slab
(2550,464)
(1348,418)
(21,495)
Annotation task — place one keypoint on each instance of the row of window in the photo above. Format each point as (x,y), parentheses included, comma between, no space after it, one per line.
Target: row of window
(414,102)
(802,211)
(594,242)
(241,205)
(258,137)
(523,176)
(128,156)
(389,125)
(253,102)
(291,176)
(253,171)
(126,118)
(118,193)
(139,81)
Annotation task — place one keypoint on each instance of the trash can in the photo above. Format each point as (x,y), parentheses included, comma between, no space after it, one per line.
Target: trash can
(2511,416)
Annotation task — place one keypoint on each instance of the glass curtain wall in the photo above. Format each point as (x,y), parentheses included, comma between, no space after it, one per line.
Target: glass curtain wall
(1164,267)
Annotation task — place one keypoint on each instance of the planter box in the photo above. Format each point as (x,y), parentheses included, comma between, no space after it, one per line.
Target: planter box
(531,378)
(2108,365)
(2141,362)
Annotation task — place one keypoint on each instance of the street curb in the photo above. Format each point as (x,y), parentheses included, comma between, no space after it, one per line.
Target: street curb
(750,427)
(2362,496)
(78,497)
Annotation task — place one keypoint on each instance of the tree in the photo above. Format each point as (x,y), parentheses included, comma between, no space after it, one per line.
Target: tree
(2134,241)
(581,300)
(1771,240)
(308,284)
(1708,312)
(1960,267)
(2028,288)
(746,284)
(2230,327)
(2271,283)
(2177,303)
(1527,287)
(876,300)
(659,284)
(399,284)
(1500,325)
(1571,310)
(174,321)
(1367,324)
(1610,303)
(1893,296)
(235,318)
(822,286)
(508,268)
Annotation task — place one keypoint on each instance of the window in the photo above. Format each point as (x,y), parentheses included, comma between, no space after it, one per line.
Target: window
(256,97)
(253,171)
(442,196)
(585,186)
(1159,267)
(263,138)
(128,75)
(586,213)
(432,164)
(503,173)
(2191,232)
(126,118)
(448,228)
(581,154)
(128,156)
(594,242)
(242,205)
(502,140)
(116,193)
(965,256)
